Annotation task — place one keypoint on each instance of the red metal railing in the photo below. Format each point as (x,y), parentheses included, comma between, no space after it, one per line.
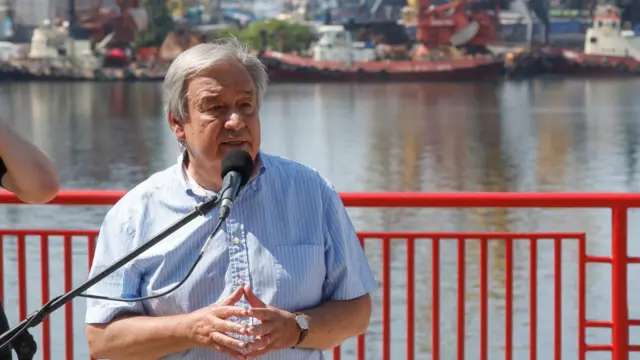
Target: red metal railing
(619,260)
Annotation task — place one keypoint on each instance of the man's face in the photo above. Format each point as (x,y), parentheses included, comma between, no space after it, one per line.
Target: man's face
(222,115)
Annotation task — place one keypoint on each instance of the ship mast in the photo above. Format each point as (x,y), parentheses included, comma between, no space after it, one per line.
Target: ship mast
(11,14)
(72,17)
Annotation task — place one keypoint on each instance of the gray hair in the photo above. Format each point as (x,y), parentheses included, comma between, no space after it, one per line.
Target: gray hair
(202,57)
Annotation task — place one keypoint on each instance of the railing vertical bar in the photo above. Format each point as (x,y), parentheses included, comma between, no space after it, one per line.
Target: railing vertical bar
(508,299)
(2,269)
(361,347)
(557,298)
(435,298)
(533,299)
(91,249)
(22,277)
(460,299)
(582,301)
(361,339)
(386,298)
(336,353)
(44,283)
(619,300)
(484,299)
(68,307)
(410,297)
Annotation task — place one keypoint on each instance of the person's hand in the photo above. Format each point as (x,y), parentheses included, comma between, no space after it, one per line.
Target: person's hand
(208,326)
(277,330)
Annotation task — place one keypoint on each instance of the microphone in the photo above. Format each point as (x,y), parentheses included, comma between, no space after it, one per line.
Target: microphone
(237,167)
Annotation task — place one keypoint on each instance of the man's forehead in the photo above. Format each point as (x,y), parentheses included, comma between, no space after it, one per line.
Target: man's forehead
(215,90)
(214,81)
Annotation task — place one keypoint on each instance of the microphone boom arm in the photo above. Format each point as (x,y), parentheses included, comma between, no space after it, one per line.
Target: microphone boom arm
(38,317)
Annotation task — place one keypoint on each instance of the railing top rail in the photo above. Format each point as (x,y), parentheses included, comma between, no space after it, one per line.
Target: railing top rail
(403,199)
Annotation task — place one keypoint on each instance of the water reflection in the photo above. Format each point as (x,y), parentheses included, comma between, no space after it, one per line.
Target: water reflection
(522,136)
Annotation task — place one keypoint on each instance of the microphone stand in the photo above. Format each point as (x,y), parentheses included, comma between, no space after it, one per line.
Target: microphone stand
(38,317)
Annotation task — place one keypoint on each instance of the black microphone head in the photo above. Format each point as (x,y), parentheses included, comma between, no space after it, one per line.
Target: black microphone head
(239,161)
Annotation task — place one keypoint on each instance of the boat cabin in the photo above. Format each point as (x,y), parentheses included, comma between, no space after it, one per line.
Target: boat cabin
(335,43)
(606,36)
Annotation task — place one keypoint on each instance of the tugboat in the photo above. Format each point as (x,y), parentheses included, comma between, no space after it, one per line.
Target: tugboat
(608,50)
(452,40)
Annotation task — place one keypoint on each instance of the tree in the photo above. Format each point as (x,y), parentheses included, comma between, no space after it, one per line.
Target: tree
(294,36)
(160,24)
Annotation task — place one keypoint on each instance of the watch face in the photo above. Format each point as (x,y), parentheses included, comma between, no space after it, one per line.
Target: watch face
(302,322)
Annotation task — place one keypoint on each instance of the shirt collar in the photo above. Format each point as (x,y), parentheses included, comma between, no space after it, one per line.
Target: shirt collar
(191,186)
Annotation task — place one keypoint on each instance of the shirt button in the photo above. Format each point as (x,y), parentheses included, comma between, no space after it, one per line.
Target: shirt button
(240,282)
(236,241)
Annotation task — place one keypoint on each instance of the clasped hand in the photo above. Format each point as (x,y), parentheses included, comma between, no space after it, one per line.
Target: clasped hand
(277,329)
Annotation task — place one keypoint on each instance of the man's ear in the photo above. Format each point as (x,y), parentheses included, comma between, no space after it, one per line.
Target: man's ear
(177,127)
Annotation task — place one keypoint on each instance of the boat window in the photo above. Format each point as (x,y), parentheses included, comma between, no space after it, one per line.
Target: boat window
(593,40)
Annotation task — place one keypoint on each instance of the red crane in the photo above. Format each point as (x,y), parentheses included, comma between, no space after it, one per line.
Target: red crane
(458,23)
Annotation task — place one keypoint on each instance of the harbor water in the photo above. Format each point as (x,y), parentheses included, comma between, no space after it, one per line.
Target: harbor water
(539,135)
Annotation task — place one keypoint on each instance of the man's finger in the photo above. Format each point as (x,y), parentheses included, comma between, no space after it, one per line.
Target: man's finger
(224,312)
(234,297)
(252,299)
(263,314)
(228,342)
(262,329)
(227,326)
(261,343)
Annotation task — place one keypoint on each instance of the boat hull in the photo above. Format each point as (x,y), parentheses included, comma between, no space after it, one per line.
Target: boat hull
(293,69)
(576,63)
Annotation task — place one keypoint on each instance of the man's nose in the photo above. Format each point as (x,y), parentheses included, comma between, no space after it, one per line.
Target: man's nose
(235,122)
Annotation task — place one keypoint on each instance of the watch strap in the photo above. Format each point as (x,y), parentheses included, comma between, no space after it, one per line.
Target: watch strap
(303,332)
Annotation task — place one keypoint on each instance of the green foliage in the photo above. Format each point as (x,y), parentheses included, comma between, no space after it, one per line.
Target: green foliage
(160,24)
(296,37)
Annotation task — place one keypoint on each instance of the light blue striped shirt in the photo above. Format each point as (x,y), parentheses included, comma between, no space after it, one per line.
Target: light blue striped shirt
(288,236)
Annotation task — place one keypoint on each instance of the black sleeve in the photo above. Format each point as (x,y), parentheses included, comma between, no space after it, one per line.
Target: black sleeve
(3,170)
(5,353)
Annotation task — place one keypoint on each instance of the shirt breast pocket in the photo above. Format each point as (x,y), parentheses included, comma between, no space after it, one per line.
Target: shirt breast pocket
(300,273)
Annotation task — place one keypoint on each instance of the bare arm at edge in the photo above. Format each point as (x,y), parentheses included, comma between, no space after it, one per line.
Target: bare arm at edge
(31,174)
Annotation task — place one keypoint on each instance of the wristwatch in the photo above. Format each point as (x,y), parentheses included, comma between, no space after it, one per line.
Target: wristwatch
(303,324)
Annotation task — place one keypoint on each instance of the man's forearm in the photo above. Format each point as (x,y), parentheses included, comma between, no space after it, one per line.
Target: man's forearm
(139,337)
(335,321)
(32,176)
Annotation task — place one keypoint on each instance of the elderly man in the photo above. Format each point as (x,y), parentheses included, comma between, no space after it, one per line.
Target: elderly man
(286,277)
(29,173)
